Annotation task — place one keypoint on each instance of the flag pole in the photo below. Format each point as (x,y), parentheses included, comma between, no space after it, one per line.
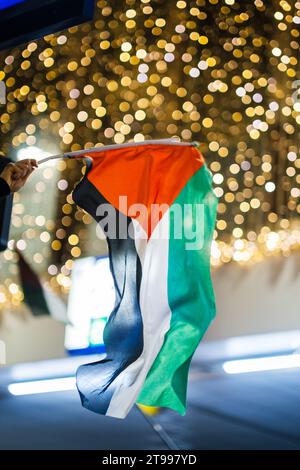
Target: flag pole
(58,156)
(102,148)
(52,157)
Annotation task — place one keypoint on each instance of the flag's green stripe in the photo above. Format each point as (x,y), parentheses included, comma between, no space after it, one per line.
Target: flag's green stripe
(191,301)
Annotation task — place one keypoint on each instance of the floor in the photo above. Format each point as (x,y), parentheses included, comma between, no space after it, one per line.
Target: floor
(246,411)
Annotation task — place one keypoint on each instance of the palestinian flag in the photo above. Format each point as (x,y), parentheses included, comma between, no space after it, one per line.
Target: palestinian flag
(155,203)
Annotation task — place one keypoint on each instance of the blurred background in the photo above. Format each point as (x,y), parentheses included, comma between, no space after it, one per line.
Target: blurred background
(220,72)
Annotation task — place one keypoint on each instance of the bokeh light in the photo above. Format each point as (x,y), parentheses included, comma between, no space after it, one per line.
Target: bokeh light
(224,73)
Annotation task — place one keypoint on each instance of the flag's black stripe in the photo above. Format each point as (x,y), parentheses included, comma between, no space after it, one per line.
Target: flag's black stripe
(123,334)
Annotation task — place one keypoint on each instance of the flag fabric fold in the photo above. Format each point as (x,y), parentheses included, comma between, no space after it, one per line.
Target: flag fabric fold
(155,204)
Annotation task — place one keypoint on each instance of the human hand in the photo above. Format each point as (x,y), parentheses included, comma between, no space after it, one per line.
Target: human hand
(16,174)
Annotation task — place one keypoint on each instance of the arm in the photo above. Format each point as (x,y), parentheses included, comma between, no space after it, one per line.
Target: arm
(4,188)
(15,175)
(12,178)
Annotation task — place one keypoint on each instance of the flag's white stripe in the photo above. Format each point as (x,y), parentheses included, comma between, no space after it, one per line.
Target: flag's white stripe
(155,310)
